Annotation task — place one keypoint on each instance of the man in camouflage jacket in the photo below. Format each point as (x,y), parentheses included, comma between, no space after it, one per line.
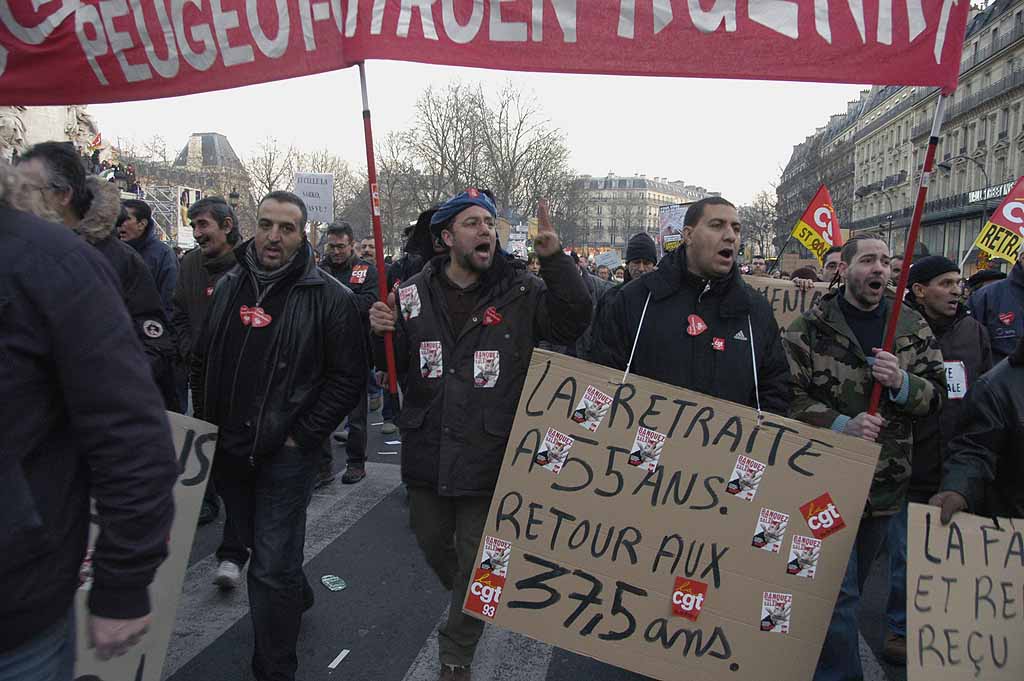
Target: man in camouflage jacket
(835,357)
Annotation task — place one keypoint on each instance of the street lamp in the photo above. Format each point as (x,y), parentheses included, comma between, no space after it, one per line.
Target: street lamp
(233,198)
(947,166)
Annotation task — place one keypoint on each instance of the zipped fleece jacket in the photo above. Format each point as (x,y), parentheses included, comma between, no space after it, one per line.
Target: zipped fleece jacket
(462,389)
(833,384)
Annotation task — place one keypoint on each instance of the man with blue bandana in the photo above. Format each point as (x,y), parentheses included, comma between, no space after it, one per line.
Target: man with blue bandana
(465,328)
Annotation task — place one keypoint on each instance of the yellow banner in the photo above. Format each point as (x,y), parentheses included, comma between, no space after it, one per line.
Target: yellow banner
(999,242)
(811,240)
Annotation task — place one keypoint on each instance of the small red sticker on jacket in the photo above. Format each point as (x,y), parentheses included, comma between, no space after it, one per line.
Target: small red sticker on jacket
(696,325)
(209,290)
(492,316)
(489,578)
(255,317)
(1007,318)
(688,598)
(718,344)
(822,516)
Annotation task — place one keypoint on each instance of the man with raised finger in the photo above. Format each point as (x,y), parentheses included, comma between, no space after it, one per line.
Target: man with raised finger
(835,358)
(464,331)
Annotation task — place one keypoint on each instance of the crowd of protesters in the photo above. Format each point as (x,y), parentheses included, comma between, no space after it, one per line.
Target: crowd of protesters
(281,347)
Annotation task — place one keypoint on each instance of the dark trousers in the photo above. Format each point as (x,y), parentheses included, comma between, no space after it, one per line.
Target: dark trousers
(389,411)
(355,446)
(231,545)
(267,504)
(448,530)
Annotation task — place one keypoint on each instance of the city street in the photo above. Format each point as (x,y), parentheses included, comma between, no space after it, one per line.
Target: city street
(388,615)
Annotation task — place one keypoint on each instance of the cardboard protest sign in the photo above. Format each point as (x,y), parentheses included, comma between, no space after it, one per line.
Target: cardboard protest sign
(788,302)
(653,569)
(1002,235)
(194,441)
(965,597)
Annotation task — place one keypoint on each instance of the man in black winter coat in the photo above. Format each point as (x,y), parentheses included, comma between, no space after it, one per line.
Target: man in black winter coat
(81,418)
(933,289)
(360,276)
(701,319)
(985,462)
(136,228)
(90,208)
(214,227)
(281,360)
(465,330)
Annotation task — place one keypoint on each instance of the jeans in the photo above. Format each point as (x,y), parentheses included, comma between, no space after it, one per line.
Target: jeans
(50,656)
(840,655)
(355,446)
(267,505)
(896,542)
(448,530)
(372,389)
(231,547)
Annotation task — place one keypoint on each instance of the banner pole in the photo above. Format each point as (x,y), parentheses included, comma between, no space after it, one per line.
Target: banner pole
(908,252)
(778,258)
(378,234)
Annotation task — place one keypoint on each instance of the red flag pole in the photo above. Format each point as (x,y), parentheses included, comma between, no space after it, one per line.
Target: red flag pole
(908,253)
(378,235)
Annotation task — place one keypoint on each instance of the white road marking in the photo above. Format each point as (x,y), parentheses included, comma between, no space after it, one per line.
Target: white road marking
(341,656)
(205,612)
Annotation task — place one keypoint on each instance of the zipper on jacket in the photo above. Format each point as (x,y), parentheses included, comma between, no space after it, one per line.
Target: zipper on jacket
(707,287)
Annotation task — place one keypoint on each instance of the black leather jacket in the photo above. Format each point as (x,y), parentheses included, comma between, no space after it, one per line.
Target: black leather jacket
(317,365)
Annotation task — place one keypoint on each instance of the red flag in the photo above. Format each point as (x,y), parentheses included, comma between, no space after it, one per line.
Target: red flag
(818,229)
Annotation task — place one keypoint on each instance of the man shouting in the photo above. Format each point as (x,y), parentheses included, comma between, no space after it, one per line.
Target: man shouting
(464,331)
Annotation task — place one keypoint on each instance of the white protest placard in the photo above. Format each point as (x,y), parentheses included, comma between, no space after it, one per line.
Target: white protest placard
(194,444)
(609,259)
(317,191)
(965,597)
(956,380)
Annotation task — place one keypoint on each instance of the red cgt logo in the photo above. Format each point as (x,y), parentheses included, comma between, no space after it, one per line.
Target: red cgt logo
(254,316)
(822,516)
(1007,318)
(688,598)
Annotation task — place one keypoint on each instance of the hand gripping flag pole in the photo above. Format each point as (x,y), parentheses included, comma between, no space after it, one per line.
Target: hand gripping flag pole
(378,237)
(908,253)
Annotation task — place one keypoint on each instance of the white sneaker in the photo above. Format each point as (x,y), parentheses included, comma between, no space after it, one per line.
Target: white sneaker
(228,576)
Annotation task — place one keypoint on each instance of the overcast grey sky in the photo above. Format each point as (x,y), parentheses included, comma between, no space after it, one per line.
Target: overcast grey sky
(729,136)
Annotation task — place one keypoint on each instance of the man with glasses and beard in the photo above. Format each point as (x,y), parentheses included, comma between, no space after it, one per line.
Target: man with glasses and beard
(465,328)
(835,357)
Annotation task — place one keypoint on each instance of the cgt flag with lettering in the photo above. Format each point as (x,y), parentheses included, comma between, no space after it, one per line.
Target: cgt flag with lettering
(1002,235)
(85,51)
(666,532)
(818,229)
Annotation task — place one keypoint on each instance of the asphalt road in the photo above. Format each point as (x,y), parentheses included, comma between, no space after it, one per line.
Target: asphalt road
(388,615)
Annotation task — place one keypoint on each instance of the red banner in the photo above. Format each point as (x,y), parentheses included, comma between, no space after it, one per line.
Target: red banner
(82,51)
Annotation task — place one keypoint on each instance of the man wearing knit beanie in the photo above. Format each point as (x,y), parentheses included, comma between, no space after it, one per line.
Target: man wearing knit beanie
(933,289)
(641,256)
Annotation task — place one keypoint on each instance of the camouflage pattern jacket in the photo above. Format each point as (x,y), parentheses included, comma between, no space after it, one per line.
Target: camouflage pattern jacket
(832,380)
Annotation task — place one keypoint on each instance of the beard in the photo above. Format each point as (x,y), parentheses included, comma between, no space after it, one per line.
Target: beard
(864,294)
(467,262)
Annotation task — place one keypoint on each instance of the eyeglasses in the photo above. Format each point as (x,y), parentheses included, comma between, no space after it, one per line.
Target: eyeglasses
(474,223)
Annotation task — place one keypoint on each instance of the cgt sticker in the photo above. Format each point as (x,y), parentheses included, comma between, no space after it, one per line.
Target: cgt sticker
(776,610)
(688,598)
(771,528)
(822,516)
(358,275)
(485,589)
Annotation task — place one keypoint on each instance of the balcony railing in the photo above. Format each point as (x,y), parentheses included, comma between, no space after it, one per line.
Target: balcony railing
(1001,43)
(1001,86)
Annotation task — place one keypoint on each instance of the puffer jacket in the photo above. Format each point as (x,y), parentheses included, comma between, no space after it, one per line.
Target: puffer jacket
(317,359)
(833,384)
(961,339)
(986,459)
(715,360)
(454,428)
